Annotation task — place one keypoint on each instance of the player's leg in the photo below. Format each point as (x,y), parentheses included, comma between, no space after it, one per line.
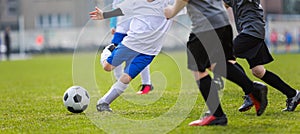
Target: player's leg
(104,55)
(119,35)
(235,72)
(115,91)
(107,57)
(209,92)
(135,63)
(227,41)
(256,91)
(117,57)
(146,85)
(256,64)
(118,71)
(293,96)
(259,55)
(198,62)
(117,39)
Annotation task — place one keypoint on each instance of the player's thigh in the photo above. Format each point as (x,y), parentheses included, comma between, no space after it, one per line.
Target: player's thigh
(197,57)
(246,46)
(262,57)
(137,64)
(121,54)
(225,35)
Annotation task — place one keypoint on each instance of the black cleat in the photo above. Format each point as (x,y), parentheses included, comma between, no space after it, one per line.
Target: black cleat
(247,105)
(291,103)
(259,97)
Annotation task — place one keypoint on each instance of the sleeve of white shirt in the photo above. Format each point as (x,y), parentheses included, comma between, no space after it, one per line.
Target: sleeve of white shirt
(127,7)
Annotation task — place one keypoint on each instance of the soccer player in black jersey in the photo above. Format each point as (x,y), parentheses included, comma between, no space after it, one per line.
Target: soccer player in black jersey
(250,45)
(210,45)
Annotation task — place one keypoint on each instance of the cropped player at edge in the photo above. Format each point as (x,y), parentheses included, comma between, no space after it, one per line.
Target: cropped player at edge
(250,44)
(143,42)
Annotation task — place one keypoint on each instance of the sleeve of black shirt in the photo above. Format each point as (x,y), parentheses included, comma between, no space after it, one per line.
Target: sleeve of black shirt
(113,13)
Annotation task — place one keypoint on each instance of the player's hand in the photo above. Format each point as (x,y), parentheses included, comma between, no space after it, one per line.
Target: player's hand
(169,12)
(113,30)
(97,14)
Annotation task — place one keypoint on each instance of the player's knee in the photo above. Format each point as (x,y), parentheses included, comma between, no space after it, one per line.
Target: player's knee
(107,67)
(259,73)
(125,78)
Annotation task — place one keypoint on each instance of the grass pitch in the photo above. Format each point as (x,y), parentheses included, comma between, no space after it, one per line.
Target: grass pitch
(32,90)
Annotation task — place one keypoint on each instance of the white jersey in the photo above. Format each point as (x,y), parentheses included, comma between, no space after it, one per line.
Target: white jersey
(148,25)
(123,22)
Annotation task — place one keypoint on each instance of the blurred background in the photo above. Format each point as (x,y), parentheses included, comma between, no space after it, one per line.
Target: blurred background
(53,26)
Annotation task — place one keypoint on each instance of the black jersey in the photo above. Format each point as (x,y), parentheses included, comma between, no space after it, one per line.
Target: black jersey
(249,17)
(207,15)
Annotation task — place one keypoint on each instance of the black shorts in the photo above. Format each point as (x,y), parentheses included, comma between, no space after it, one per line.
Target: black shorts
(209,47)
(253,49)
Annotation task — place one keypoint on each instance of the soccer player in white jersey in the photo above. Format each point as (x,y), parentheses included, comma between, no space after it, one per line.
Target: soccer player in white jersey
(142,43)
(119,28)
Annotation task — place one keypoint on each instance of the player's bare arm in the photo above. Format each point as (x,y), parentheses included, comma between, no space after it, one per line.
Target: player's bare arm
(171,11)
(98,14)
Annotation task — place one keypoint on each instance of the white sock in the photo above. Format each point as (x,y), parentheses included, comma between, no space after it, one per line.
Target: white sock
(118,71)
(115,91)
(104,55)
(145,75)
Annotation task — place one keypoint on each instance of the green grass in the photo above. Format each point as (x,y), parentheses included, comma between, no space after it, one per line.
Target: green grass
(32,90)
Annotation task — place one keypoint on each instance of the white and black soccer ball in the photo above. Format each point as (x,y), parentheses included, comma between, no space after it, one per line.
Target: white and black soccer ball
(76,99)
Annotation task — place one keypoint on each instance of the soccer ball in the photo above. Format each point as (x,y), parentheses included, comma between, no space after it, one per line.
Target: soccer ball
(76,99)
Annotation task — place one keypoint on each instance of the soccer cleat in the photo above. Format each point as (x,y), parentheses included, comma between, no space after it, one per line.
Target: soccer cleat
(146,88)
(210,120)
(259,97)
(291,103)
(247,104)
(103,107)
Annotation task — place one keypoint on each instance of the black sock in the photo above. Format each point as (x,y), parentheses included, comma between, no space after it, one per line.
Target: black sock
(274,81)
(236,75)
(210,95)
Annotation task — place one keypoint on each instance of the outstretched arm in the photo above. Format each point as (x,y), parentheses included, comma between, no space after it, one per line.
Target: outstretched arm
(171,11)
(98,14)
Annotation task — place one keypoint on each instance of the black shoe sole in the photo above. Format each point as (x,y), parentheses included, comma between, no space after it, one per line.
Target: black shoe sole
(263,92)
